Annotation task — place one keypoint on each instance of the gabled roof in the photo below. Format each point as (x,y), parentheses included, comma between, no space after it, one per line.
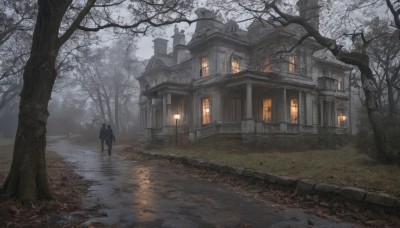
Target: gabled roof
(159,61)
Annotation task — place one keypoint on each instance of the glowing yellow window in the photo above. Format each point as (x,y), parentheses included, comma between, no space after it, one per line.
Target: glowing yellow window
(342,118)
(235,65)
(205,117)
(292,64)
(204,67)
(267,110)
(294,111)
(267,65)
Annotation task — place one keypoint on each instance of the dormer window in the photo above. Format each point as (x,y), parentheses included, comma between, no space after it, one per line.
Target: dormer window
(267,65)
(235,65)
(292,64)
(204,71)
(339,85)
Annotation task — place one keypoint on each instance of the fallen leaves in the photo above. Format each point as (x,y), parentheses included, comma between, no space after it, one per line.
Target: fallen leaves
(67,188)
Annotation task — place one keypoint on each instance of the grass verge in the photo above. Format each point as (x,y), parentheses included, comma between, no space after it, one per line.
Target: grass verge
(344,166)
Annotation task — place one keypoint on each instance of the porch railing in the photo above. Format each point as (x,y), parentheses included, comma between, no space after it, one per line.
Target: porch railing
(307,129)
(269,128)
(218,128)
(292,128)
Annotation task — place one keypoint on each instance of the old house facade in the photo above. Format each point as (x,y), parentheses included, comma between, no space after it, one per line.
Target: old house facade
(258,82)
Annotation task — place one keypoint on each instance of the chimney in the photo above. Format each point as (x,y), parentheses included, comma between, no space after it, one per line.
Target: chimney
(160,46)
(309,10)
(178,37)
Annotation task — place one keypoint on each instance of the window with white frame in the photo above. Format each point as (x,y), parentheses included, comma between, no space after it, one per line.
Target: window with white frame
(267,110)
(267,65)
(294,110)
(205,111)
(235,65)
(339,83)
(204,71)
(341,118)
(292,64)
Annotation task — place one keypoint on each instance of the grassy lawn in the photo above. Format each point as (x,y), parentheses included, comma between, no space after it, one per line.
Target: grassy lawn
(344,166)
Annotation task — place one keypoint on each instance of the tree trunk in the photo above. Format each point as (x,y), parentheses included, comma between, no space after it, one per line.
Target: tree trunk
(375,117)
(116,107)
(108,105)
(27,179)
(100,99)
(392,106)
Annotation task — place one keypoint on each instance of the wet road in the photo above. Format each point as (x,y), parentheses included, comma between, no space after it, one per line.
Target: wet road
(151,194)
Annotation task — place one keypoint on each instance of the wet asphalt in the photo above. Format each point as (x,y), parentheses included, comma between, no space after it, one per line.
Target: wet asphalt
(148,193)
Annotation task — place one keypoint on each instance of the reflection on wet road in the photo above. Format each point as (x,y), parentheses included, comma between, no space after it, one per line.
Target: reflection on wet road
(151,194)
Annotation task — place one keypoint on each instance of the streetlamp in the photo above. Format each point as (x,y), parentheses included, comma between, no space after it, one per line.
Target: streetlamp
(176,117)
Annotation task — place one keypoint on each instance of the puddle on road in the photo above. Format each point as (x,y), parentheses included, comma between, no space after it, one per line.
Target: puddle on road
(146,194)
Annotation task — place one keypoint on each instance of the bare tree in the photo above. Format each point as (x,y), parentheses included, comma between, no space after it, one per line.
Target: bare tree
(107,78)
(357,55)
(384,53)
(56,22)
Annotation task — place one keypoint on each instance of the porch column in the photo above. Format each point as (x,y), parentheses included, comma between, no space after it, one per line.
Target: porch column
(321,110)
(249,101)
(149,112)
(300,109)
(164,110)
(329,113)
(169,110)
(308,112)
(284,104)
(217,107)
(335,115)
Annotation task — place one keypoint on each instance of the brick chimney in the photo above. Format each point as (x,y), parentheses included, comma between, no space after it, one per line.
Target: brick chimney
(178,37)
(160,46)
(309,10)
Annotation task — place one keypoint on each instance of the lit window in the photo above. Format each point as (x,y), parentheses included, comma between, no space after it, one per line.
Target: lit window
(204,67)
(267,110)
(267,65)
(235,65)
(294,110)
(205,105)
(342,118)
(292,64)
(339,85)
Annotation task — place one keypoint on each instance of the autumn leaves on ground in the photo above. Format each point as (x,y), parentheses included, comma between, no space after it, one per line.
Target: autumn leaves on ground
(344,166)
(67,187)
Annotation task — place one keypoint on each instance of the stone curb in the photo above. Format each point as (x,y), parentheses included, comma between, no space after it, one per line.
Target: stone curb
(305,185)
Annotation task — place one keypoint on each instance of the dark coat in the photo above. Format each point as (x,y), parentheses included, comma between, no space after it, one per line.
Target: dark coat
(109,136)
(103,133)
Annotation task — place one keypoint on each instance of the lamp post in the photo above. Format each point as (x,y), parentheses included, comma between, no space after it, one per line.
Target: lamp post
(176,117)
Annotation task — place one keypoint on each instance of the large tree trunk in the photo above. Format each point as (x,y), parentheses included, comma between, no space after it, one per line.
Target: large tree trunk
(27,179)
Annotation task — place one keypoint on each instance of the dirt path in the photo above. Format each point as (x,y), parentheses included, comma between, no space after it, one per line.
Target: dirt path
(144,193)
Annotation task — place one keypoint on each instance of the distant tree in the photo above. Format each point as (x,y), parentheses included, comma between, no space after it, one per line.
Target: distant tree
(56,23)
(107,78)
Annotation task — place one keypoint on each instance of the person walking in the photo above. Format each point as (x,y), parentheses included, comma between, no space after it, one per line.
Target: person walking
(102,135)
(110,138)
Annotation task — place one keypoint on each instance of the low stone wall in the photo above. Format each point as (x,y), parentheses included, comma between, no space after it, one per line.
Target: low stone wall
(359,196)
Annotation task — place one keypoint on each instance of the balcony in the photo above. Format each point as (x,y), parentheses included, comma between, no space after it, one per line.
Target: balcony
(325,83)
